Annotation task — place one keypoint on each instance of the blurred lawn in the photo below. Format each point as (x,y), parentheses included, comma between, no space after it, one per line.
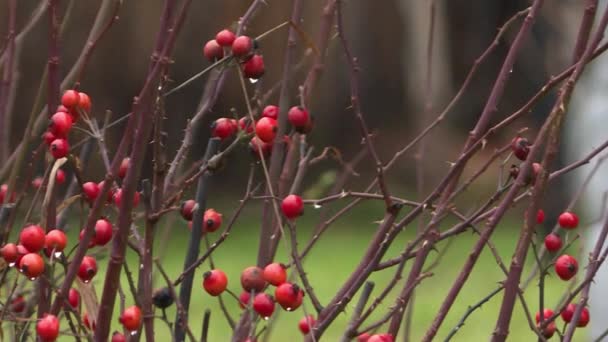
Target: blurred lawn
(330,263)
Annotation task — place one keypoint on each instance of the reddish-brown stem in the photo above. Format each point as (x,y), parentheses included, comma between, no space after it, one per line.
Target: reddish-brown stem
(7,80)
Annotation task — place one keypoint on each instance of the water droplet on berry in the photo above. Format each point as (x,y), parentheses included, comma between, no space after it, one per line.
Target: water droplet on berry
(86,281)
(253,80)
(11,264)
(58,255)
(266,318)
(317,206)
(33,278)
(133,332)
(289,309)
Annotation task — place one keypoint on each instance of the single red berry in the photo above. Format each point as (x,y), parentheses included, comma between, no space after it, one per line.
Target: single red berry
(118,197)
(225,37)
(244,299)
(256,144)
(84,102)
(74,298)
(87,322)
(31,265)
(546,314)
(540,216)
(103,232)
(245,125)
(549,330)
(48,138)
(55,240)
(292,206)
(553,242)
(61,124)
(306,323)
(222,128)
(48,328)
(583,320)
(91,191)
(87,269)
(213,51)
(520,147)
(212,220)
(32,237)
(118,337)
(242,46)
(254,67)
(271,111)
(60,177)
(17,304)
(381,338)
(289,296)
(568,220)
(70,98)
(59,148)
(566,267)
(266,129)
(263,304)
(215,282)
(298,117)
(3,191)
(252,278)
(37,182)
(9,253)
(131,318)
(364,337)
(187,209)
(91,243)
(124,166)
(275,273)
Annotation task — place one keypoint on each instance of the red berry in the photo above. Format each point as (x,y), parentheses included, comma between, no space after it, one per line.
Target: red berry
(292,206)
(364,337)
(212,220)
(91,243)
(74,298)
(245,125)
(48,328)
(118,337)
(298,117)
(48,137)
(91,191)
(213,51)
(568,314)
(520,147)
(244,299)
(55,240)
(271,111)
(241,46)
(215,282)
(3,191)
(252,278)
(553,242)
(381,338)
(70,98)
(566,267)
(60,177)
(110,195)
(263,304)
(187,209)
(84,102)
(103,232)
(540,216)
(275,274)
(118,197)
(256,144)
(87,322)
(225,37)
(59,148)
(60,124)
(546,314)
(289,296)
(31,265)
(131,318)
(568,220)
(266,129)
(17,304)
(87,269)
(223,128)
(254,67)
(306,323)
(124,166)
(549,330)
(9,253)
(37,182)
(32,237)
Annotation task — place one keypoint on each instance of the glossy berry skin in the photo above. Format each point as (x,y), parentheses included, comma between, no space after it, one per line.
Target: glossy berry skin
(244,299)
(87,269)
(364,337)
(553,242)
(254,67)
(60,124)
(289,296)
(381,338)
(59,148)
(225,37)
(91,191)
(55,240)
(103,232)
(305,323)
(118,337)
(245,125)
(48,328)
(566,267)
(215,282)
(212,220)
(266,129)
(298,117)
(568,314)
(275,274)
(271,111)
(74,298)
(17,304)
(162,298)
(33,238)
(263,304)
(60,177)
(292,206)
(9,253)
(91,243)
(131,318)
(48,137)
(31,265)
(520,147)
(546,314)
(117,197)
(111,193)
(213,51)
(187,209)
(252,279)
(84,102)
(549,330)
(124,166)
(242,46)
(70,99)
(540,216)
(568,220)
(256,144)
(223,128)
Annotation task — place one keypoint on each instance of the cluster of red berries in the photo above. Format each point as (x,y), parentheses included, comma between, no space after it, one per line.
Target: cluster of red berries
(56,136)
(241,47)
(91,190)
(212,220)
(566,265)
(521,148)
(567,314)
